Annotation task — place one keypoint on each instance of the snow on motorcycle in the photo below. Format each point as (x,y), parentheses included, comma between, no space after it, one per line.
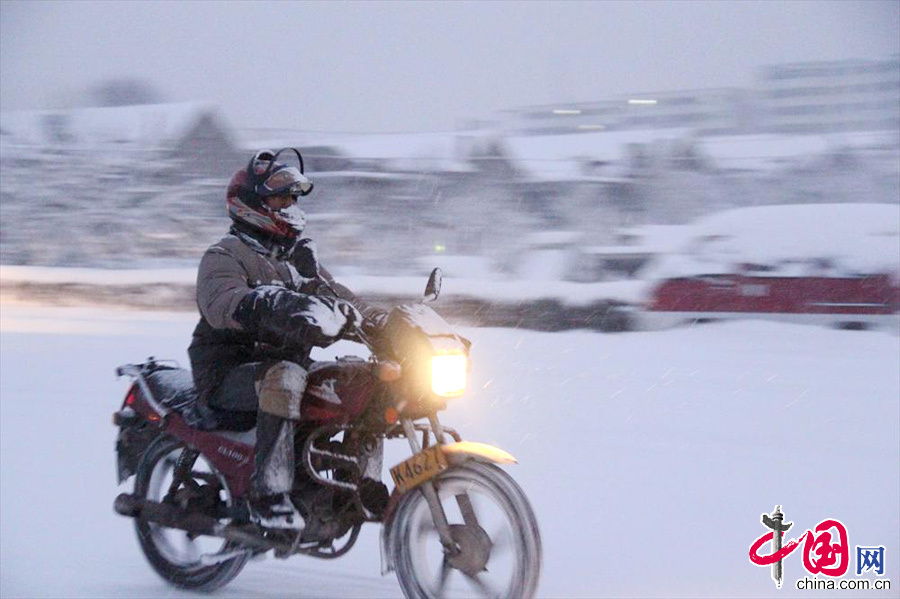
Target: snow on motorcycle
(455,523)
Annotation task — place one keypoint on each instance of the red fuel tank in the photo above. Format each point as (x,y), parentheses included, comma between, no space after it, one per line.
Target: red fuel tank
(337,392)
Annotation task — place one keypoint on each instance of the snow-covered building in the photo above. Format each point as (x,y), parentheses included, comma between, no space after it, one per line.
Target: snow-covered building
(549,256)
(810,97)
(145,183)
(832,96)
(147,125)
(121,183)
(427,195)
(707,111)
(631,250)
(192,133)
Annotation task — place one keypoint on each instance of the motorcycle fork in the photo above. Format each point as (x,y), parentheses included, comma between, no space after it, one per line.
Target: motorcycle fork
(429,490)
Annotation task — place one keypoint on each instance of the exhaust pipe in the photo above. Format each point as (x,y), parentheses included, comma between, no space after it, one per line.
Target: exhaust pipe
(170,516)
(127,505)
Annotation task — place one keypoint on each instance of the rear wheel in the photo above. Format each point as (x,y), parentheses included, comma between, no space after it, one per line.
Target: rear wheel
(199,563)
(495,531)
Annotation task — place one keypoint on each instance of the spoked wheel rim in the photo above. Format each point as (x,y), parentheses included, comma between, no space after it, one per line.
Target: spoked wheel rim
(179,547)
(491,550)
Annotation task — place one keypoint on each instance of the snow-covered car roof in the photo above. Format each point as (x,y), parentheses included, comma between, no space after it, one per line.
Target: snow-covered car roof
(791,240)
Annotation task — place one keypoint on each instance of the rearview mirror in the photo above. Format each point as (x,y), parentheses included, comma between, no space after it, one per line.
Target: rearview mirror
(433,288)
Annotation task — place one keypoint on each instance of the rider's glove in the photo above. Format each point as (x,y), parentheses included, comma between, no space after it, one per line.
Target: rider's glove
(284,318)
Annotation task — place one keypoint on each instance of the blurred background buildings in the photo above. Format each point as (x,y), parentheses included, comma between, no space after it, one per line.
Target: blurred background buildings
(560,192)
(801,98)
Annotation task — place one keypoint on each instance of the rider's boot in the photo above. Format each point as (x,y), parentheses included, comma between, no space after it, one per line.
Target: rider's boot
(270,502)
(280,390)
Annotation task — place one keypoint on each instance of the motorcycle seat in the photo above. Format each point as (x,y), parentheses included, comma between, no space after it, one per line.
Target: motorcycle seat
(174,388)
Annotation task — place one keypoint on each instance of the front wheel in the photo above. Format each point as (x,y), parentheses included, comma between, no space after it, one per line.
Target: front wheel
(198,563)
(498,546)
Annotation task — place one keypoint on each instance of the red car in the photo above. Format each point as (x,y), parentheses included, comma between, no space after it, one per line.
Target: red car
(856,302)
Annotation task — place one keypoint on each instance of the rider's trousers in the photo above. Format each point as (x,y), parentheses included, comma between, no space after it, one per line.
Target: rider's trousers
(272,392)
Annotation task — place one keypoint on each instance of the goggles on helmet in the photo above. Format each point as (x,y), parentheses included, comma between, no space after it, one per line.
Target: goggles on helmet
(286,180)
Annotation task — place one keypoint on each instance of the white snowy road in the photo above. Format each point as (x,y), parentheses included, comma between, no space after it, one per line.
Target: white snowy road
(649,457)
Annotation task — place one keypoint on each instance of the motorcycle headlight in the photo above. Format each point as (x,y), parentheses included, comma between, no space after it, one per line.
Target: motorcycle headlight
(448,374)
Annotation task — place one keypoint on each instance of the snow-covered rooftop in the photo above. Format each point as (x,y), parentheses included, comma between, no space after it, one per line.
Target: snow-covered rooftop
(660,239)
(146,125)
(553,238)
(436,151)
(563,157)
(542,158)
(559,157)
(760,152)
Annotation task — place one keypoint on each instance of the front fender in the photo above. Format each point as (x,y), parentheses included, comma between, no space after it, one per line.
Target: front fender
(456,454)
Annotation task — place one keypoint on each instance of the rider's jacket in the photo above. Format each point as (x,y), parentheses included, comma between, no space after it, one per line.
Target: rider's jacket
(258,302)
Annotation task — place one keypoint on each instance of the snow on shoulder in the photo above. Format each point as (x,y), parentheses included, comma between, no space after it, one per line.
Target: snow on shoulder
(791,240)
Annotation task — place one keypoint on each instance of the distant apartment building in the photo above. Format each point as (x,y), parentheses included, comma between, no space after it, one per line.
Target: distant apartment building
(814,97)
(824,97)
(709,111)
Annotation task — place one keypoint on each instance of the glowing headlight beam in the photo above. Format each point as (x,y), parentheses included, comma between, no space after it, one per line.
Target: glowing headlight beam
(448,374)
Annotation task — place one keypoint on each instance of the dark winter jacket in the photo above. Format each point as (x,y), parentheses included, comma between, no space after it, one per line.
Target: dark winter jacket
(258,303)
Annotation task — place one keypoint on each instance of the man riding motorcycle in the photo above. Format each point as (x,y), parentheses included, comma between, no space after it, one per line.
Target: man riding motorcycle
(264,302)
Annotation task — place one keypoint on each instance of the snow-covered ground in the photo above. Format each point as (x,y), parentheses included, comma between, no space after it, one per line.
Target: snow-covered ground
(649,457)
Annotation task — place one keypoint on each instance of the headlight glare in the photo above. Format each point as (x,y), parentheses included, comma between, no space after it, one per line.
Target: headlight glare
(448,374)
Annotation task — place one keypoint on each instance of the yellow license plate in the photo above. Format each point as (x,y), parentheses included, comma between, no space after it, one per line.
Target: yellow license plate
(423,466)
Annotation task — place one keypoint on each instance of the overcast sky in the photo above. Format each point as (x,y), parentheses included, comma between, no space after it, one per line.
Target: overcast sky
(418,66)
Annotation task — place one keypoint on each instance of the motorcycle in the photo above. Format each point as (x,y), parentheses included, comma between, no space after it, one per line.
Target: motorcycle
(455,522)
